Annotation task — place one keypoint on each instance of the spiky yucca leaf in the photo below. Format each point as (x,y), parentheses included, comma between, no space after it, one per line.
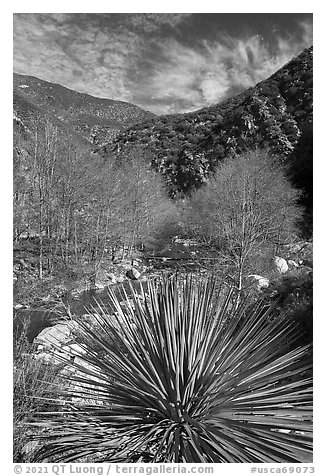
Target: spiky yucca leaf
(182,375)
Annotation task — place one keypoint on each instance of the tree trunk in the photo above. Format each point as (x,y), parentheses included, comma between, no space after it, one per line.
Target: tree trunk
(41,249)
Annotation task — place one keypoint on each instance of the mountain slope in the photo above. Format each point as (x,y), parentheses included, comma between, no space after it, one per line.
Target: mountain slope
(187,147)
(97,120)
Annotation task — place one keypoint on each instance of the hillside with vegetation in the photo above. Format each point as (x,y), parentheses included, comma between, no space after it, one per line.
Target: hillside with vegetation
(275,113)
(95,119)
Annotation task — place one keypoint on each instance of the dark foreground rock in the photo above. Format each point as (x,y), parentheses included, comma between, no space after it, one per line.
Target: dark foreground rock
(133,274)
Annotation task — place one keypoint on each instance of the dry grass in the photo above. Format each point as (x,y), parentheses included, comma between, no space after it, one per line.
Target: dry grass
(32,381)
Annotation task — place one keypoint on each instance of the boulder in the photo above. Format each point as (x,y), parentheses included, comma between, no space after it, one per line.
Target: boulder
(53,336)
(55,344)
(82,392)
(281,264)
(30,447)
(133,274)
(261,282)
(112,278)
(99,285)
(292,263)
(73,350)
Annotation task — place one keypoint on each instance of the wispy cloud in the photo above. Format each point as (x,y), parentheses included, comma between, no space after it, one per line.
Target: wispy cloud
(144,58)
(192,78)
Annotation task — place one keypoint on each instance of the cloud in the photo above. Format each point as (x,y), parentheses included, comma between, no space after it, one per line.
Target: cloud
(307,32)
(151,22)
(213,71)
(84,58)
(161,62)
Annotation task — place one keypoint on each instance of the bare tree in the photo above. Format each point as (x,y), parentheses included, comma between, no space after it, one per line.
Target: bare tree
(144,206)
(247,210)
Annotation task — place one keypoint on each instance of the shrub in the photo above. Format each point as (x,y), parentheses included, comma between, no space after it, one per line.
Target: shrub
(294,296)
(181,374)
(32,382)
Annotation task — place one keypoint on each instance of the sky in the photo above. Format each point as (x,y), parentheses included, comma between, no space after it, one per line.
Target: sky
(163,62)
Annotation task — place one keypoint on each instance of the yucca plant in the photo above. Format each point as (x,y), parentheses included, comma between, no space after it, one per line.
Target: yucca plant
(181,374)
